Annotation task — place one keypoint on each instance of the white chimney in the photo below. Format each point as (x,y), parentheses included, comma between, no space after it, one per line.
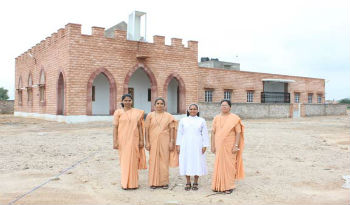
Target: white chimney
(134,26)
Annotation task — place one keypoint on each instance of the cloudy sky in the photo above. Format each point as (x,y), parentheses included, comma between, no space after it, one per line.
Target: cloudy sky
(293,37)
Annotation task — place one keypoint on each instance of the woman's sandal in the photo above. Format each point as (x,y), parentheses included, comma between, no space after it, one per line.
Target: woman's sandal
(229,191)
(153,187)
(188,187)
(130,188)
(195,187)
(165,186)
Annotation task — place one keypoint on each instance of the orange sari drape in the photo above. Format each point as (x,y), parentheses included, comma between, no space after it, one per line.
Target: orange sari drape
(131,156)
(228,166)
(160,158)
(174,156)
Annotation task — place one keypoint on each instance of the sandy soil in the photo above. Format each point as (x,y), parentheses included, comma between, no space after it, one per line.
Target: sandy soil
(287,161)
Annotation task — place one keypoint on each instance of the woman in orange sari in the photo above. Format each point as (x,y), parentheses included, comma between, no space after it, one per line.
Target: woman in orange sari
(227,143)
(128,139)
(160,142)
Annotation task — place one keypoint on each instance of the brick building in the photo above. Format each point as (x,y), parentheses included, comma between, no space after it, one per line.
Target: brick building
(73,74)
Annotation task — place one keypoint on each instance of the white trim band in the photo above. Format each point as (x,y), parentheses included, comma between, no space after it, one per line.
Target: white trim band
(279,80)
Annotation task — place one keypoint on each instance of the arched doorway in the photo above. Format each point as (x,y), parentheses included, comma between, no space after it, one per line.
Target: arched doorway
(60,95)
(150,91)
(174,90)
(139,87)
(101,90)
(173,96)
(100,95)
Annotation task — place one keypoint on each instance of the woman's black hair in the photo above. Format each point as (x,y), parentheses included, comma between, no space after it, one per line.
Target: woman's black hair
(159,99)
(124,96)
(225,100)
(188,114)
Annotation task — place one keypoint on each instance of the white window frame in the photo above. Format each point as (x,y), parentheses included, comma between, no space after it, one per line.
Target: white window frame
(208,95)
(250,96)
(309,97)
(227,94)
(297,97)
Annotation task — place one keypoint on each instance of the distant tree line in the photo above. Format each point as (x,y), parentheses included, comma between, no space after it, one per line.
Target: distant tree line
(3,94)
(344,101)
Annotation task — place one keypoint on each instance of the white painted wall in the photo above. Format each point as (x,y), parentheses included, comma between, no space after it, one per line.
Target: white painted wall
(101,104)
(273,86)
(172,96)
(141,83)
(75,118)
(65,118)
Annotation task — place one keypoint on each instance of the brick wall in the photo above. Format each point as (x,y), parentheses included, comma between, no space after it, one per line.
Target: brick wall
(241,81)
(81,57)
(50,56)
(121,58)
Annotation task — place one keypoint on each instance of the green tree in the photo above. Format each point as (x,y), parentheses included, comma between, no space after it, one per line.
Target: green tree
(3,94)
(344,101)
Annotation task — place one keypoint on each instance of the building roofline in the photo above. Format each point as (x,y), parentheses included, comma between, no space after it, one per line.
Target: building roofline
(261,73)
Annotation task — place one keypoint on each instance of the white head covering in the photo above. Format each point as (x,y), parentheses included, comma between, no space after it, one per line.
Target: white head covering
(188,108)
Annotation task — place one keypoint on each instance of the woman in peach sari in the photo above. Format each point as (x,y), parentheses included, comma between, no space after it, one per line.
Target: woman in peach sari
(128,139)
(227,143)
(160,142)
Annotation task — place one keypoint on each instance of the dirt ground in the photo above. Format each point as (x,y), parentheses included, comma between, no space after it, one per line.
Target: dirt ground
(287,161)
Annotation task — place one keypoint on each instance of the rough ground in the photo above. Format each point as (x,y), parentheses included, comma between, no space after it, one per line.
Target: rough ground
(287,161)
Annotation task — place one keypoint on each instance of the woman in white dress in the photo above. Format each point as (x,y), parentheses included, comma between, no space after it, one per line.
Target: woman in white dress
(191,144)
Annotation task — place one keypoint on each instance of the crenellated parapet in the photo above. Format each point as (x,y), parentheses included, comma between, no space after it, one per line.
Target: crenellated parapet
(72,30)
(98,31)
(193,45)
(175,42)
(120,35)
(159,40)
(43,45)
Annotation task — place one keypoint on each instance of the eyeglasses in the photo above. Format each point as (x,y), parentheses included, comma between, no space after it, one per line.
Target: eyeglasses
(193,109)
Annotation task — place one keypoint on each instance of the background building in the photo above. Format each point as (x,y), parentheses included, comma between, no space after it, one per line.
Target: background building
(73,74)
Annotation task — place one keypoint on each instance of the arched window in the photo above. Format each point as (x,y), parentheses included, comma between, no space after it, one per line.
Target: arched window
(30,90)
(42,87)
(19,91)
